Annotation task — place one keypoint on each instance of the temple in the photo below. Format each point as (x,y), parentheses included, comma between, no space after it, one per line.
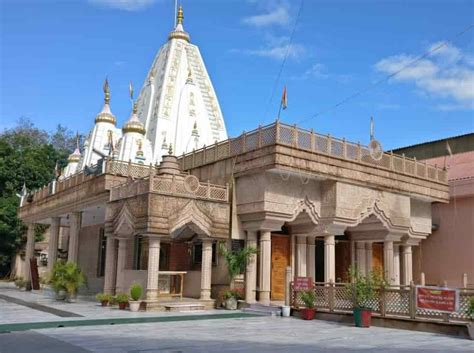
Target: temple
(151,202)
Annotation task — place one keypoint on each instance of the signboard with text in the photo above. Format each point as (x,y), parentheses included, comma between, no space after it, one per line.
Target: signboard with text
(302,283)
(440,299)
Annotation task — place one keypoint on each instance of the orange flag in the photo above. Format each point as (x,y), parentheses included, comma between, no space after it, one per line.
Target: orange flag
(284,102)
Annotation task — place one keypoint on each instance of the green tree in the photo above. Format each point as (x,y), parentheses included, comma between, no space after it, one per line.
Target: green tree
(28,156)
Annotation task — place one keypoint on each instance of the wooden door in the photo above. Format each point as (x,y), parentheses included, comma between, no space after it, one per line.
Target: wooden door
(280,260)
(377,257)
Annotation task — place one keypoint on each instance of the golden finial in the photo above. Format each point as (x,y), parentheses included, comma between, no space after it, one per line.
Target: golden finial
(106,91)
(78,139)
(135,107)
(130,90)
(180,16)
(170,150)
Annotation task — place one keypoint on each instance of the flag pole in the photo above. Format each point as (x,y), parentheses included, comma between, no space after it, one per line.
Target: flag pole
(279,111)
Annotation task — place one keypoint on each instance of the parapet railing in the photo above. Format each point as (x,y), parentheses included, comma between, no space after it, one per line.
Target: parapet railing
(391,301)
(190,187)
(120,168)
(308,140)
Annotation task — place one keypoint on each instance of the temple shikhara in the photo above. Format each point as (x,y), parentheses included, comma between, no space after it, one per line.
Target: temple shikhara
(150,202)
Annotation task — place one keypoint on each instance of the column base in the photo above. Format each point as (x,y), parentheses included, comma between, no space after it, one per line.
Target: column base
(205,294)
(264,297)
(151,295)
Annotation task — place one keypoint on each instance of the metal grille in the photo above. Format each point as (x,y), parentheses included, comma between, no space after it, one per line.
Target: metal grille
(397,302)
(304,140)
(342,298)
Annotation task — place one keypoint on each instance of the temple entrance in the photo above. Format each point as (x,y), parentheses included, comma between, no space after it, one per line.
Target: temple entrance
(280,260)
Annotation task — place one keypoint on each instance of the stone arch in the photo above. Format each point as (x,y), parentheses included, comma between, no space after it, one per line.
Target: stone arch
(190,220)
(305,206)
(124,223)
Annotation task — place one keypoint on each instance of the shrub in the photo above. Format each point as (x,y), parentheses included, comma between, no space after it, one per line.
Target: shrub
(363,288)
(20,283)
(236,293)
(67,276)
(236,259)
(121,298)
(308,297)
(102,297)
(136,291)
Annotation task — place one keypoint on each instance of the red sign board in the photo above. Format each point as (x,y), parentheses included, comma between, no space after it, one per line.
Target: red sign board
(437,299)
(302,283)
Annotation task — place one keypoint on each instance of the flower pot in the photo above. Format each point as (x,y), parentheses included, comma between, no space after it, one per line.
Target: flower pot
(104,302)
(307,314)
(362,317)
(470,328)
(134,305)
(61,294)
(285,311)
(122,306)
(230,304)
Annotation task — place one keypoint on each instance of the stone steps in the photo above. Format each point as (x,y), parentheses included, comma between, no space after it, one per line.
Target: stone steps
(183,307)
(264,310)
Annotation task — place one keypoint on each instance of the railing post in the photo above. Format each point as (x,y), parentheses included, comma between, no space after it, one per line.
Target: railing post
(244,141)
(208,189)
(295,136)
(329,147)
(391,160)
(194,152)
(412,302)
(403,163)
(204,154)
(313,147)
(344,148)
(426,169)
(416,167)
(226,191)
(129,167)
(422,278)
(331,292)
(359,152)
(382,303)
(259,136)
(277,131)
(287,285)
(215,150)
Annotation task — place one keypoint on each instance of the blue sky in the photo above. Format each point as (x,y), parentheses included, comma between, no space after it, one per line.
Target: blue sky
(56,54)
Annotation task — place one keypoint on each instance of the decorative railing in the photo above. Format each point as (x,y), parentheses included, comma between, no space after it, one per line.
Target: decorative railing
(189,187)
(308,140)
(392,301)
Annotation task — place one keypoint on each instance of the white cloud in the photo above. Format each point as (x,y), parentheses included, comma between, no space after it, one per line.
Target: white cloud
(447,73)
(295,51)
(127,5)
(278,16)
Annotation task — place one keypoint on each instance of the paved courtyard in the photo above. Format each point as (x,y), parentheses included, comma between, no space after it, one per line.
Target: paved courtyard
(209,334)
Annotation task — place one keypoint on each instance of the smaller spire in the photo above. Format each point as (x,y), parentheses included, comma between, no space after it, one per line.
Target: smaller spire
(195,131)
(170,150)
(106,91)
(180,17)
(135,108)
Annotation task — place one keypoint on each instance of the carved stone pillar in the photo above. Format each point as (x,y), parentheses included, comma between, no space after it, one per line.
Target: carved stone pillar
(301,256)
(368,257)
(251,270)
(329,258)
(110,261)
(29,254)
(121,259)
(265,266)
(361,257)
(310,258)
(396,264)
(152,289)
(53,242)
(74,229)
(206,269)
(388,261)
(407,264)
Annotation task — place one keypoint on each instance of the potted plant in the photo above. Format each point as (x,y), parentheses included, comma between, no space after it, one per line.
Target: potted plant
(66,279)
(122,300)
(135,294)
(470,312)
(308,297)
(363,291)
(103,298)
(236,260)
(230,299)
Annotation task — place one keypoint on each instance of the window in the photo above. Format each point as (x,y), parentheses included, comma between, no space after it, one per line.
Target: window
(102,250)
(140,261)
(197,254)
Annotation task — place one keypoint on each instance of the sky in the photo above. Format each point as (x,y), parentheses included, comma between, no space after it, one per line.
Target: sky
(334,57)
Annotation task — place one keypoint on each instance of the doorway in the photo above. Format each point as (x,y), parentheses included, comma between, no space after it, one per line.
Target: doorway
(280,260)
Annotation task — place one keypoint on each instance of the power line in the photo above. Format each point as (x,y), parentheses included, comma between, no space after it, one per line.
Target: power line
(393,74)
(288,47)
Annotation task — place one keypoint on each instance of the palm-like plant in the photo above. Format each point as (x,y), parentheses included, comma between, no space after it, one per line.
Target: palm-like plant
(236,259)
(67,276)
